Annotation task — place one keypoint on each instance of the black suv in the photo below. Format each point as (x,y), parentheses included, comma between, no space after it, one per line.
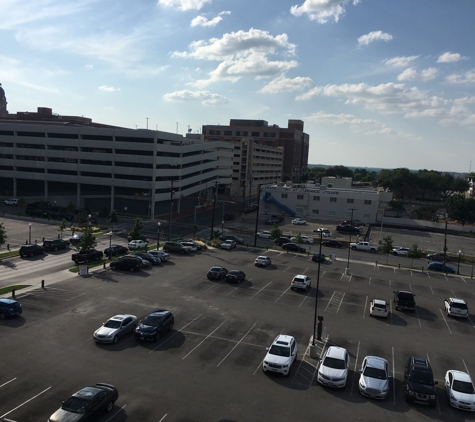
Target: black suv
(55,244)
(281,241)
(404,299)
(129,263)
(419,385)
(217,273)
(31,250)
(155,325)
(332,244)
(348,229)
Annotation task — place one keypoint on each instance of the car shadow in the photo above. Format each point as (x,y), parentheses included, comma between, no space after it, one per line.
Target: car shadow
(299,366)
(246,284)
(425,314)
(172,340)
(395,319)
(13,322)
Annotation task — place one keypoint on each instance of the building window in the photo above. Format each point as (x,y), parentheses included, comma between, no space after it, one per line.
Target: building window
(367,202)
(316,198)
(283,195)
(350,201)
(299,211)
(332,199)
(315,211)
(332,213)
(299,196)
(228,133)
(255,134)
(367,216)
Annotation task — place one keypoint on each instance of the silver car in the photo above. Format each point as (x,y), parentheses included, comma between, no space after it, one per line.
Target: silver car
(164,256)
(116,327)
(374,378)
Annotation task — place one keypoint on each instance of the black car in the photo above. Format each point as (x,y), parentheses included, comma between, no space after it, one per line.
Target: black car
(232,237)
(31,250)
(404,299)
(348,229)
(217,273)
(271,220)
(9,308)
(154,260)
(293,247)
(74,240)
(235,276)
(87,404)
(281,241)
(332,244)
(55,244)
(127,263)
(115,250)
(419,385)
(155,325)
(318,257)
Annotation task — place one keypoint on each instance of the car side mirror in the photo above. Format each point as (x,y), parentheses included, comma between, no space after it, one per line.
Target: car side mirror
(267,348)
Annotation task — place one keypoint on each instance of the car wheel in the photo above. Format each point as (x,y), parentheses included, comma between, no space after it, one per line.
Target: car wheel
(132,269)
(2,316)
(116,338)
(134,327)
(110,406)
(156,337)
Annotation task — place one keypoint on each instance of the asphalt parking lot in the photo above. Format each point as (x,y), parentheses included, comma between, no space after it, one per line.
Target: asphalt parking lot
(209,367)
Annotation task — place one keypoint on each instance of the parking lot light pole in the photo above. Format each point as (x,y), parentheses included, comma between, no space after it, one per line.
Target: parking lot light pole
(222,227)
(257,213)
(110,244)
(172,192)
(158,235)
(214,209)
(445,243)
(29,233)
(347,270)
(317,333)
(458,264)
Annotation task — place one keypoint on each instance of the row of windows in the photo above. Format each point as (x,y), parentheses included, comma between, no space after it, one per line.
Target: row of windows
(332,199)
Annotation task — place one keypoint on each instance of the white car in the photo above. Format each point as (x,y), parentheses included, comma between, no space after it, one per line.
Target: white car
(379,308)
(190,245)
(263,261)
(305,239)
(228,244)
(333,369)
(264,234)
(281,355)
(137,244)
(324,232)
(456,307)
(374,378)
(299,221)
(301,281)
(460,390)
(400,251)
(11,201)
(116,327)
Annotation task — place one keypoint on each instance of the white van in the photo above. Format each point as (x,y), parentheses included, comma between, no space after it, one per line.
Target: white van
(12,202)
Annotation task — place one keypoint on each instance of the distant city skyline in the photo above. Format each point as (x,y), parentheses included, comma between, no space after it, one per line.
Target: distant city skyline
(384,84)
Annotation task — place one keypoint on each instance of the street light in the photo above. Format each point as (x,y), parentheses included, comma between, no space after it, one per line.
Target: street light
(458,264)
(158,235)
(222,228)
(214,208)
(110,244)
(29,233)
(445,243)
(347,270)
(317,333)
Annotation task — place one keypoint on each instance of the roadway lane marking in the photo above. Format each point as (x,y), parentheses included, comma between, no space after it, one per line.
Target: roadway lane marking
(445,320)
(237,344)
(112,417)
(216,329)
(8,382)
(34,397)
(356,368)
(365,303)
(238,287)
(174,334)
(285,291)
(260,290)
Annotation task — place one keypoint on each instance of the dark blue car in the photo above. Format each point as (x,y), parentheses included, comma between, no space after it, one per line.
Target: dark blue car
(439,266)
(9,308)
(155,325)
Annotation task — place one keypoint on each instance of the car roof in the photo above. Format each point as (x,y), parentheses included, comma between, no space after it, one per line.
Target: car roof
(283,339)
(159,312)
(336,352)
(216,267)
(120,317)
(404,291)
(7,301)
(461,376)
(455,300)
(88,392)
(300,275)
(376,362)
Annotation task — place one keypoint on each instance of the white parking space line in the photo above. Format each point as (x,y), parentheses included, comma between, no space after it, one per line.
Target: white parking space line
(174,334)
(285,291)
(394,377)
(418,319)
(113,416)
(471,322)
(431,289)
(237,344)
(308,293)
(260,290)
(214,285)
(216,329)
(365,303)
(34,397)
(223,339)
(8,382)
(391,310)
(466,369)
(356,369)
(369,282)
(448,328)
(300,374)
(463,278)
(262,361)
(232,291)
(304,271)
(164,416)
(287,268)
(389,283)
(453,294)
(337,297)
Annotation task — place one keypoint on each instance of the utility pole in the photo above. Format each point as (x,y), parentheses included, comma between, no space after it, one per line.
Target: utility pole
(214,208)
(172,193)
(257,215)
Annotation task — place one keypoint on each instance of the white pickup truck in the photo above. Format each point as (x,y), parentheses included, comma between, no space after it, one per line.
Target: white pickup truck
(364,246)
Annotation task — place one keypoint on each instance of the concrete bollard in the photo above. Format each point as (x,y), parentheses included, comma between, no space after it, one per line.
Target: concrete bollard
(42,284)
(399,266)
(104,265)
(13,294)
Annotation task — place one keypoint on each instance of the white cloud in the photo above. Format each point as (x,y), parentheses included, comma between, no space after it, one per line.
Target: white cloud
(356,125)
(184,5)
(374,36)
(411,74)
(322,10)
(205,97)
(464,78)
(205,22)
(283,84)
(450,57)
(403,61)
(105,88)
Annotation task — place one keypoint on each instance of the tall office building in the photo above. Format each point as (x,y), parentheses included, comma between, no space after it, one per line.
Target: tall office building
(3,103)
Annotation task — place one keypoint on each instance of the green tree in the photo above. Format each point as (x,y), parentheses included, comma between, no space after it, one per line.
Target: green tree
(87,241)
(461,208)
(298,238)
(341,171)
(83,219)
(21,202)
(397,203)
(316,173)
(3,235)
(387,246)
(136,233)
(426,212)
(216,234)
(414,253)
(62,226)
(276,232)
(113,218)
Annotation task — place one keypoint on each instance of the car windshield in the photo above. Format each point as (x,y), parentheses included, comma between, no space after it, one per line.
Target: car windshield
(374,373)
(463,387)
(334,363)
(112,324)
(233,272)
(421,378)
(153,321)
(279,351)
(215,270)
(75,405)
(405,296)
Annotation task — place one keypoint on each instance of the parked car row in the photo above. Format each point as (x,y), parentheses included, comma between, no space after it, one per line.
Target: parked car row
(138,260)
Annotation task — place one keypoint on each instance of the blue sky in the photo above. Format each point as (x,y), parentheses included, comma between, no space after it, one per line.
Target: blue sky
(378,83)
